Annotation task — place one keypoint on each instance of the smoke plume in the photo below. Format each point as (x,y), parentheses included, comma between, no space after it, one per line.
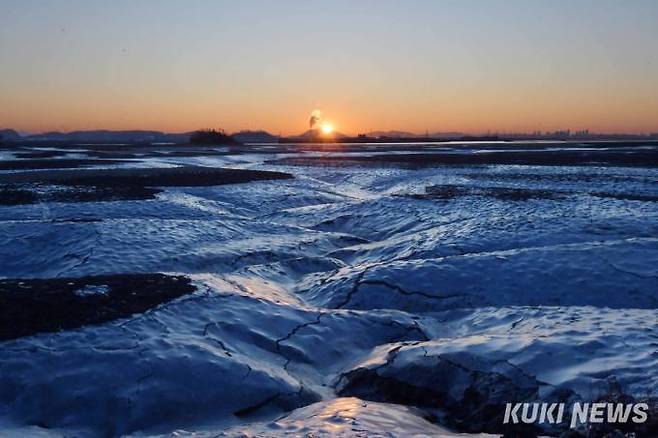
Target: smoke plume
(315,119)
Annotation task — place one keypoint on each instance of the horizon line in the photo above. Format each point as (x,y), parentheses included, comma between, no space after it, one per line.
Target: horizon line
(585,131)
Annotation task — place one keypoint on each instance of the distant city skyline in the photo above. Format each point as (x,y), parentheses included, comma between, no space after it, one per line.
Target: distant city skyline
(438,66)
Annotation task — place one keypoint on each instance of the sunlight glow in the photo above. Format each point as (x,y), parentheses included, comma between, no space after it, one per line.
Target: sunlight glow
(327,129)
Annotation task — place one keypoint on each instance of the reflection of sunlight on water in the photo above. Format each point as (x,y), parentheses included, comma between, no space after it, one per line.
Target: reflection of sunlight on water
(475,339)
(348,417)
(336,417)
(346,407)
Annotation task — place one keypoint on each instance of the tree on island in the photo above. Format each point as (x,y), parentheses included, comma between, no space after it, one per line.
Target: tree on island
(212,136)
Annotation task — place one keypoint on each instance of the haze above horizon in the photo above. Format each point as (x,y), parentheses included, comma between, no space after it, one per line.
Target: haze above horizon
(468,66)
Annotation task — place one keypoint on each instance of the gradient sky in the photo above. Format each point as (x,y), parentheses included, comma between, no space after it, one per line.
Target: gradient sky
(458,65)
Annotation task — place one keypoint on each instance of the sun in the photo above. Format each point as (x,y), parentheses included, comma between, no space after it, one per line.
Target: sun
(327,128)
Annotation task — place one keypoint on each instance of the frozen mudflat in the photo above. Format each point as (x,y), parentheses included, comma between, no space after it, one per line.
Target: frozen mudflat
(350,300)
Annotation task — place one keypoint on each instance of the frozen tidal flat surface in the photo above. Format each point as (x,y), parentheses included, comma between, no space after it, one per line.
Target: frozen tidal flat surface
(345,301)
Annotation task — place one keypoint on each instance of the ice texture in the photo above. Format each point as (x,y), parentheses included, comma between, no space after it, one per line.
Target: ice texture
(347,301)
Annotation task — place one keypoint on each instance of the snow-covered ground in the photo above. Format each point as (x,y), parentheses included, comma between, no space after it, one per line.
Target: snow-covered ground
(343,282)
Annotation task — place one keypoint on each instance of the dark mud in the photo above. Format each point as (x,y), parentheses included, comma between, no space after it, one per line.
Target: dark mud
(164,177)
(99,185)
(39,154)
(503,193)
(447,192)
(12,195)
(63,163)
(154,153)
(626,196)
(639,158)
(54,304)
(34,194)
(480,408)
(562,177)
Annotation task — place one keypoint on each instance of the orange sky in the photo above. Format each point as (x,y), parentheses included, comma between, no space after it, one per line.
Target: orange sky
(437,66)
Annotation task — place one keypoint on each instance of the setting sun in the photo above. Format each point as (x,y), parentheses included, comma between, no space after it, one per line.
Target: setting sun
(327,129)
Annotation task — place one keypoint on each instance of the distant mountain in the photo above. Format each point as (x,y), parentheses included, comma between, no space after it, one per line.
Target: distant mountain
(9,134)
(446,135)
(255,137)
(393,134)
(315,134)
(406,134)
(105,136)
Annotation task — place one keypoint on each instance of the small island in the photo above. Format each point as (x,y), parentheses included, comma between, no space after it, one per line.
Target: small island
(212,137)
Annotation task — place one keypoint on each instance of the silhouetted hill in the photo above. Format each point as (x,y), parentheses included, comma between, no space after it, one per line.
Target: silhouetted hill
(9,134)
(255,137)
(316,134)
(376,134)
(212,137)
(407,134)
(106,136)
(447,135)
